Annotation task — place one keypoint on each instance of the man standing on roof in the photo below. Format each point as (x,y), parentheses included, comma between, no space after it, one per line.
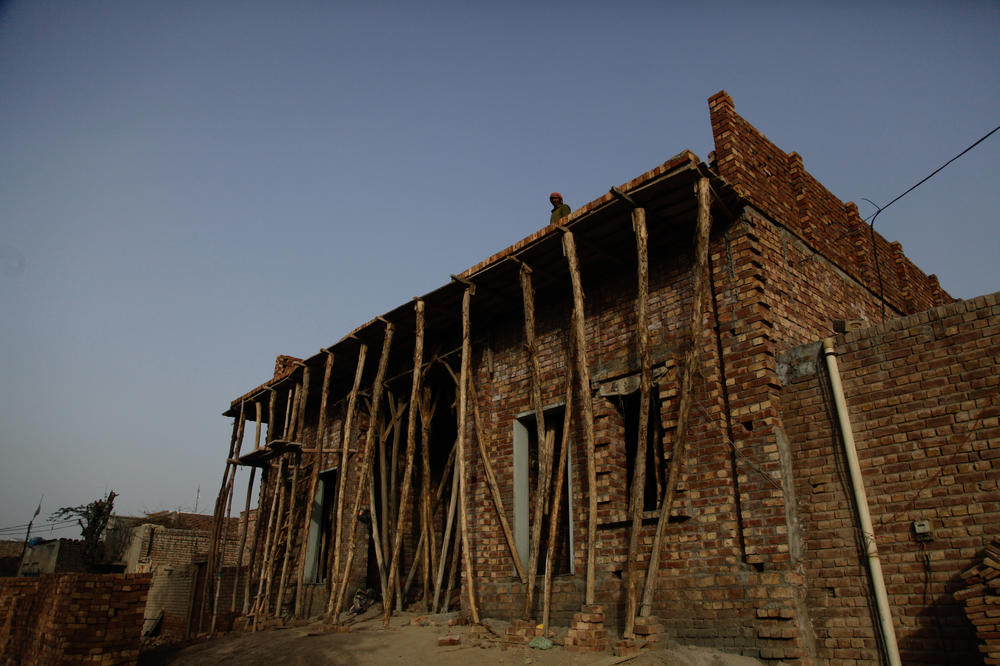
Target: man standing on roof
(559,209)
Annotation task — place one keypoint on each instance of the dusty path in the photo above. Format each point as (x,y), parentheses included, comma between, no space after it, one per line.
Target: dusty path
(368,642)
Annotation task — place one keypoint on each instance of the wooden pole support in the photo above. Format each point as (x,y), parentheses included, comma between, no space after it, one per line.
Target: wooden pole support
(378,388)
(411,443)
(491,479)
(317,460)
(691,355)
(543,442)
(346,436)
(587,404)
(460,456)
(557,492)
(639,471)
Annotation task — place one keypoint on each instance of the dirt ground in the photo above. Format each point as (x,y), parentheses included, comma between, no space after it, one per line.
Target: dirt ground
(409,640)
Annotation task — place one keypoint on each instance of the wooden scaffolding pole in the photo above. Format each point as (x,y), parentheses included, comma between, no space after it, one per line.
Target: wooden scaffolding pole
(460,456)
(692,353)
(411,443)
(218,514)
(298,433)
(377,389)
(243,540)
(346,436)
(544,443)
(427,409)
(455,549)
(272,413)
(494,485)
(557,490)
(587,404)
(311,508)
(274,533)
(260,526)
(449,522)
(636,501)
(377,541)
(246,516)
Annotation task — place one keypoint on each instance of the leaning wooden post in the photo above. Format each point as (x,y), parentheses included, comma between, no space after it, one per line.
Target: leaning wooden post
(346,437)
(299,433)
(494,485)
(272,414)
(587,403)
(460,456)
(289,407)
(218,515)
(260,525)
(427,409)
(544,448)
(366,467)
(691,354)
(246,515)
(265,602)
(266,534)
(550,552)
(243,540)
(411,443)
(313,481)
(377,541)
(449,521)
(646,379)
(456,547)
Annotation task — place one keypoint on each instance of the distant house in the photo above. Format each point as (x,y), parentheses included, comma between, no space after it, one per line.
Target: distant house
(658,352)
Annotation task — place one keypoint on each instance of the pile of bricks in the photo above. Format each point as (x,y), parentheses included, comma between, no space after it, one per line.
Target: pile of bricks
(981,597)
(648,633)
(588,633)
(522,631)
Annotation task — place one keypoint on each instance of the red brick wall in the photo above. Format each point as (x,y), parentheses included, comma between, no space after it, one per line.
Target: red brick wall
(922,395)
(72,618)
(777,183)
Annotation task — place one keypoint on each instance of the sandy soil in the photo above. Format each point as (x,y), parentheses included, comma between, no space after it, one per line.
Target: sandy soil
(404,642)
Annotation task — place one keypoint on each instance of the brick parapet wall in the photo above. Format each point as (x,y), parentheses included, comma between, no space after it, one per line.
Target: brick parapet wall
(72,618)
(922,397)
(778,185)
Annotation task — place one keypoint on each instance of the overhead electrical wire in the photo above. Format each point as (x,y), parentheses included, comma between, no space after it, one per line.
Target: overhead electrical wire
(871,218)
(878,268)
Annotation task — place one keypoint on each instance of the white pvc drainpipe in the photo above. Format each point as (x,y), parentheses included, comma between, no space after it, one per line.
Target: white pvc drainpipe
(861,500)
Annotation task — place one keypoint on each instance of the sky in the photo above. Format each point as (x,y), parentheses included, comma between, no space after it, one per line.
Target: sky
(189,188)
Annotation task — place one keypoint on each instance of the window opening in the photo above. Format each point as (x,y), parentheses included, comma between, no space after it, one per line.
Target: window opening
(526,485)
(628,408)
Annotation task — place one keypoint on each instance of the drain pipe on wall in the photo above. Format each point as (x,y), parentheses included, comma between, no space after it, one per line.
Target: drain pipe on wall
(861,500)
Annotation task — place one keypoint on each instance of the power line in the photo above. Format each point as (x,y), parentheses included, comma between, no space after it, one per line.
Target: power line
(874,215)
(929,176)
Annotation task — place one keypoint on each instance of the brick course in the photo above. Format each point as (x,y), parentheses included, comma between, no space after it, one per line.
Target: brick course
(72,618)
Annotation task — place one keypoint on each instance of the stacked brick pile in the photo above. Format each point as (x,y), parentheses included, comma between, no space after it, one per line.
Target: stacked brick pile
(522,631)
(72,618)
(588,633)
(981,597)
(648,633)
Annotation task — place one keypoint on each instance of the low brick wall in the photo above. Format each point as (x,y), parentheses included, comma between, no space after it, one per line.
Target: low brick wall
(72,618)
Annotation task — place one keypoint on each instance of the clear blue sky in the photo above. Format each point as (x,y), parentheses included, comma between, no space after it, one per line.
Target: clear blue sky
(189,188)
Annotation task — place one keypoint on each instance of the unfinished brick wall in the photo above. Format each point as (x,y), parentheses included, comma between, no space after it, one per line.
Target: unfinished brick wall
(72,618)
(777,183)
(922,394)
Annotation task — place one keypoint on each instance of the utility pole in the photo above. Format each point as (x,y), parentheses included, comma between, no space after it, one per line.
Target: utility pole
(27,535)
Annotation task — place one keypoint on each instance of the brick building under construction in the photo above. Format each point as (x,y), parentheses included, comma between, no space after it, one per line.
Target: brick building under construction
(627,423)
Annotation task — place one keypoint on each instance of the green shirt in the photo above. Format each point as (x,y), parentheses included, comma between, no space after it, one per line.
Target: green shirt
(559,213)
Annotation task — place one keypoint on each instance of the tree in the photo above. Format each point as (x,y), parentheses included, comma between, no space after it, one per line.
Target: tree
(93,518)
